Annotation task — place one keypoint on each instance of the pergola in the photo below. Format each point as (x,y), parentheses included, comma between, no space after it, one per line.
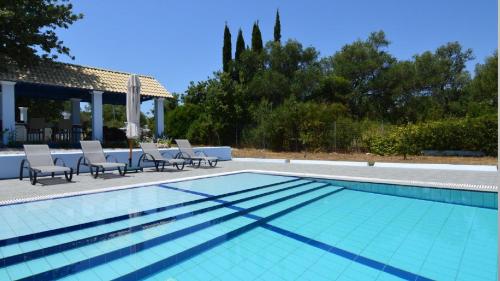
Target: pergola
(61,81)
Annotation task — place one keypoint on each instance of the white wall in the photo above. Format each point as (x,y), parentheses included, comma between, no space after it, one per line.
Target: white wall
(10,163)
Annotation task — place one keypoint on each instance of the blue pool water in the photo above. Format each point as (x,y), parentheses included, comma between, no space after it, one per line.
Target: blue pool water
(249,226)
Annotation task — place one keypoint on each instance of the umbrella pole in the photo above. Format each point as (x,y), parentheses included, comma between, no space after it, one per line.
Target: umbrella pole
(130,152)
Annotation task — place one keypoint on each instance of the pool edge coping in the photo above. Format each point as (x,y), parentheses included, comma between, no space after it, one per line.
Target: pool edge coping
(456,186)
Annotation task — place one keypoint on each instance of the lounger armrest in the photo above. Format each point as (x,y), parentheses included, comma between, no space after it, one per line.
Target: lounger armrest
(181,155)
(63,163)
(83,160)
(111,156)
(25,164)
(147,157)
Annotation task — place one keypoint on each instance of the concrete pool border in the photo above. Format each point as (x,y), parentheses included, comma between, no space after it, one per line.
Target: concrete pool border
(448,167)
(432,184)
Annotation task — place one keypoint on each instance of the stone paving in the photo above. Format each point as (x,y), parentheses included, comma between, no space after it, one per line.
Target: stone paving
(13,189)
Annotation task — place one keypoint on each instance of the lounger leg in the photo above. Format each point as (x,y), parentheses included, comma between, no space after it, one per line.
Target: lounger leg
(21,170)
(163,166)
(179,168)
(70,176)
(96,172)
(30,174)
(33,178)
(52,174)
(139,162)
(78,166)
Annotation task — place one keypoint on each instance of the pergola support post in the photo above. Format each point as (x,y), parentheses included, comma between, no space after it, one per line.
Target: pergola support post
(159,117)
(8,110)
(97,133)
(75,111)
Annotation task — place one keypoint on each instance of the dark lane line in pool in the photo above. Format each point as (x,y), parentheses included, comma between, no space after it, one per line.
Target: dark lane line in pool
(138,247)
(56,231)
(23,257)
(401,273)
(205,246)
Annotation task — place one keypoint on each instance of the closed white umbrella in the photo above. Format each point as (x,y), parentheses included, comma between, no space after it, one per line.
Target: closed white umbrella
(133,111)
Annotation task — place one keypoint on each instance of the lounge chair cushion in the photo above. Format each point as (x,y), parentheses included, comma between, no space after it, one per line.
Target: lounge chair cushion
(205,158)
(107,165)
(176,161)
(38,155)
(93,151)
(50,169)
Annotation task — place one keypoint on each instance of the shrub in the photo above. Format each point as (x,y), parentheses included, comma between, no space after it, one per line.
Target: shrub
(179,120)
(473,134)
(301,125)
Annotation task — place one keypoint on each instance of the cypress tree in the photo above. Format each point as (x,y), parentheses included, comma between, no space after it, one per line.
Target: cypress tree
(256,38)
(240,45)
(226,49)
(277,28)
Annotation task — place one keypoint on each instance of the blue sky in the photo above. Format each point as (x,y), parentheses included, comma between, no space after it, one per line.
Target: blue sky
(181,41)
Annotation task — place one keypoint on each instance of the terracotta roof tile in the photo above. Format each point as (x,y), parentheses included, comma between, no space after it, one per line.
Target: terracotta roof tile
(83,77)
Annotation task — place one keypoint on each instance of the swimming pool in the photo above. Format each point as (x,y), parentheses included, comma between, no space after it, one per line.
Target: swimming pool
(250,226)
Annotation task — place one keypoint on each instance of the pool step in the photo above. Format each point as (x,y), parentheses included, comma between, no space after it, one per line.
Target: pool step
(16,253)
(80,257)
(156,258)
(66,229)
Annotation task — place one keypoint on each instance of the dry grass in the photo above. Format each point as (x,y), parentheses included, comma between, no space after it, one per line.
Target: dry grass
(258,153)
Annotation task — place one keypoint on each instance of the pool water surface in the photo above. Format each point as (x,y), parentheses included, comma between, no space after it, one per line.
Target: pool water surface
(250,226)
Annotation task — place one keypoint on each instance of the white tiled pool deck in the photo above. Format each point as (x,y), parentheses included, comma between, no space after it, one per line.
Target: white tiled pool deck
(13,190)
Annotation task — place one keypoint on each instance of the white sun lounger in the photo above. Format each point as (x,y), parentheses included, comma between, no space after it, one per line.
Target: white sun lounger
(187,153)
(39,161)
(94,158)
(150,153)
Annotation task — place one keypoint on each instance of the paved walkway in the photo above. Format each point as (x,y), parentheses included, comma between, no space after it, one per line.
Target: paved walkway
(14,189)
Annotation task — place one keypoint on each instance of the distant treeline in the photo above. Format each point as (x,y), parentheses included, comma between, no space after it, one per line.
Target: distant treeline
(283,96)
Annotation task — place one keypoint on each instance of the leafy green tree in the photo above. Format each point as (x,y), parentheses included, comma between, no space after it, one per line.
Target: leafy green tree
(484,86)
(332,88)
(362,63)
(443,74)
(257,45)
(179,120)
(50,110)
(27,29)
(196,93)
(240,45)
(285,97)
(250,63)
(173,102)
(114,115)
(226,49)
(277,28)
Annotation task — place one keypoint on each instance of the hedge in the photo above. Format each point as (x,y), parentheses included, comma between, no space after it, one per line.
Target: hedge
(472,134)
